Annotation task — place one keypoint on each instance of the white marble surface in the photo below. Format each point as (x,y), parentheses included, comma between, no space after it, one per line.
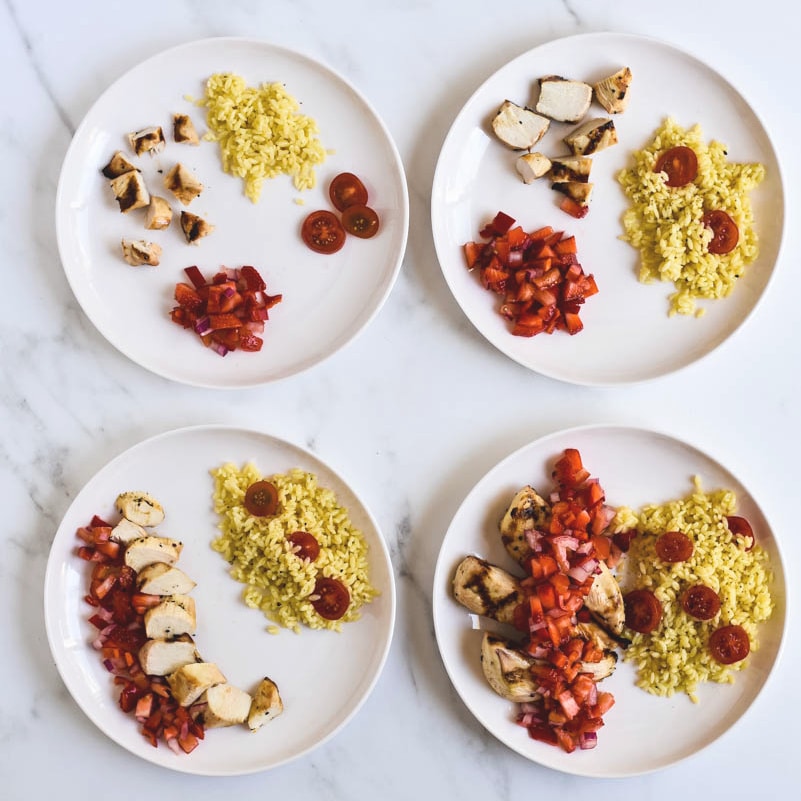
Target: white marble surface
(402,411)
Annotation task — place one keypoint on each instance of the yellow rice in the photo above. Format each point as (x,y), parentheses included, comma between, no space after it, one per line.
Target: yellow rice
(675,657)
(260,133)
(664,223)
(277,581)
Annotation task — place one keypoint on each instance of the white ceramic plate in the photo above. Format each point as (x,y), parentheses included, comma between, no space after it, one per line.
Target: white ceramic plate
(174,467)
(642,732)
(327,301)
(628,336)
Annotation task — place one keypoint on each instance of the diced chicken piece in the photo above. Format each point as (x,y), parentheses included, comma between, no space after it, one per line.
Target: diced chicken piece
(571,168)
(189,682)
(600,637)
(592,137)
(563,100)
(130,191)
(183,130)
(183,184)
(140,508)
(137,252)
(605,601)
(508,670)
(161,578)
(126,532)
(151,549)
(577,190)
(194,227)
(266,704)
(613,92)
(159,214)
(118,165)
(226,705)
(519,127)
(487,590)
(526,512)
(174,616)
(531,166)
(148,140)
(161,657)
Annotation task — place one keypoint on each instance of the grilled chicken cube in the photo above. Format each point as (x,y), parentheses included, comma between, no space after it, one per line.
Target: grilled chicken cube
(571,168)
(613,92)
(605,601)
(531,166)
(519,127)
(160,657)
(130,191)
(194,227)
(159,214)
(577,190)
(148,140)
(163,579)
(140,508)
(527,512)
(226,705)
(183,130)
(174,616)
(183,184)
(151,549)
(137,252)
(592,137)
(487,590)
(266,704)
(118,165)
(563,100)
(189,682)
(126,532)
(508,670)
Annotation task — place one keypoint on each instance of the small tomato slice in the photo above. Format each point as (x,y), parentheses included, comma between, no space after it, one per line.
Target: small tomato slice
(680,164)
(347,190)
(360,220)
(739,525)
(304,545)
(700,602)
(323,232)
(643,611)
(261,499)
(729,644)
(331,598)
(673,546)
(725,233)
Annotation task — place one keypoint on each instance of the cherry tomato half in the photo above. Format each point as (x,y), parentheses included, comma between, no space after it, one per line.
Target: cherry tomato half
(643,611)
(739,525)
(332,598)
(347,190)
(304,545)
(360,221)
(261,499)
(623,539)
(725,233)
(680,164)
(729,644)
(323,232)
(700,602)
(673,546)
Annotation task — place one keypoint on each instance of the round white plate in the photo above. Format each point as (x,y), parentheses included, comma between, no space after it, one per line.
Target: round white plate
(324,677)
(327,300)
(643,732)
(628,336)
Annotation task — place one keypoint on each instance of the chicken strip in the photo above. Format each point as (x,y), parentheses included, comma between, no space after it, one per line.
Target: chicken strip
(487,590)
(527,512)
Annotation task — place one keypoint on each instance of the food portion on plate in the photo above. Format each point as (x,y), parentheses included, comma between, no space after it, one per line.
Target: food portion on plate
(293,546)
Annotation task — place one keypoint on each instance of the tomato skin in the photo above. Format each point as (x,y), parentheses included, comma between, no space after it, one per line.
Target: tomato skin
(643,611)
(361,221)
(739,525)
(680,164)
(306,545)
(725,233)
(261,499)
(332,598)
(347,190)
(729,644)
(322,232)
(673,546)
(700,602)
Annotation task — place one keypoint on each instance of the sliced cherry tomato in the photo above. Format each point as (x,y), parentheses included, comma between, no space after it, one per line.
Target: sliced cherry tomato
(332,598)
(305,545)
(673,546)
(361,221)
(347,190)
(725,233)
(623,539)
(700,602)
(739,525)
(680,164)
(729,644)
(323,232)
(261,499)
(643,611)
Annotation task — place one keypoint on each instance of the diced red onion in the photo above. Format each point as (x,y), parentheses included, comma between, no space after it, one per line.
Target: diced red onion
(203,325)
(588,740)
(218,348)
(515,258)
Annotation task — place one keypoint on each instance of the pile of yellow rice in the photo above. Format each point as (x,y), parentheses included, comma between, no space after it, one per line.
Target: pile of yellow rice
(260,133)
(277,581)
(664,223)
(675,657)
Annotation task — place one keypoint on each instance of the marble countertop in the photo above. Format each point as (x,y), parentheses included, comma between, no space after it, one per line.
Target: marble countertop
(402,411)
